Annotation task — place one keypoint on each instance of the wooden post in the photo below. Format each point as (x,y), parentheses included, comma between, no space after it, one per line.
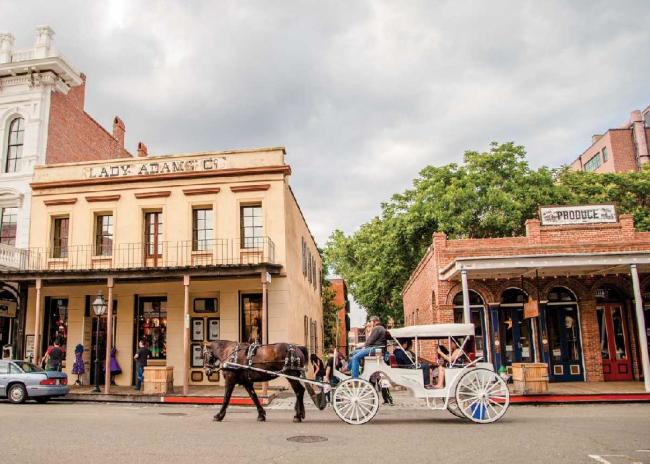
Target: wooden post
(186,334)
(37,323)
(265,320)
(640,323)
(467,317)
(109,336)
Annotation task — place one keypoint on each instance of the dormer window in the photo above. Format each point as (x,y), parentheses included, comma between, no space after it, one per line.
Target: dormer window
(15,145)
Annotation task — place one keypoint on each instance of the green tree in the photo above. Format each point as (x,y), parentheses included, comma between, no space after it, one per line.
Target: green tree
(491,194)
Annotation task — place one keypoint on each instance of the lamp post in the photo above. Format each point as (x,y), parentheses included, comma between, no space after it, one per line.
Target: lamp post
(99,308)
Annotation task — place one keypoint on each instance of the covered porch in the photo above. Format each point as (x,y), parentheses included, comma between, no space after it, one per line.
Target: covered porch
(584,314)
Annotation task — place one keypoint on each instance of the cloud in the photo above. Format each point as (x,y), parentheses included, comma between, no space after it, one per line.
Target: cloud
(363,94)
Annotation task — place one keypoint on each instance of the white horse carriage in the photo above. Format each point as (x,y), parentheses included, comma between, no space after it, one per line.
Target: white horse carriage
(472,389)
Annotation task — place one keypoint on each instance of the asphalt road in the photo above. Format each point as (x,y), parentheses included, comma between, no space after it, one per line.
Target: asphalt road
(120,434)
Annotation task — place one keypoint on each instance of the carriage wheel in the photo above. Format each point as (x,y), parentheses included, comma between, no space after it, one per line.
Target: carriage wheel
(453,408)
(482,396)
(355,401)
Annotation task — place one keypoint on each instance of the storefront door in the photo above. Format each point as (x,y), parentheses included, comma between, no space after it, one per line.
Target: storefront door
(515,334)
(614,346)
(564,350)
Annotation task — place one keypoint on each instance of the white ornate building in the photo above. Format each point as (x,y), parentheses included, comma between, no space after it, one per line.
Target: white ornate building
(42,120)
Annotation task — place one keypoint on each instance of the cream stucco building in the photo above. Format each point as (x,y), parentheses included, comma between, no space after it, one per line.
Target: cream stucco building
(188,247)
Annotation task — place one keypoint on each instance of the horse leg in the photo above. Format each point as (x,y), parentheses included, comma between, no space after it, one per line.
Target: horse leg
(299,390)
(230,386)
(261,414)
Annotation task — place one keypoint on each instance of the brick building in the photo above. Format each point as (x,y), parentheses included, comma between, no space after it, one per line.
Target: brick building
(563,294)
(622,149)
(341,300)
(42,121)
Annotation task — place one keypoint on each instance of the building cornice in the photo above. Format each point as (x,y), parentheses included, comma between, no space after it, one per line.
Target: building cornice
(283,169)
(250,188)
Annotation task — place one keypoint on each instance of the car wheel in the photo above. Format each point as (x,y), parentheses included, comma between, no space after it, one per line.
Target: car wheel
(17,393)
(42,399)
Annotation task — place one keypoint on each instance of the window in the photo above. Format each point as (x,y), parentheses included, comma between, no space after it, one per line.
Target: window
(153,223)
(15,145)
(104,235)
(206,305)
(201,229)
(8,226)
(605,155)
(251,317)
(593,163)
(60,237)
(251,226)
(646,118)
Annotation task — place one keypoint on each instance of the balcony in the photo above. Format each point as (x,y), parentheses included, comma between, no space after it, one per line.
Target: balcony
(11,257)
(143,256)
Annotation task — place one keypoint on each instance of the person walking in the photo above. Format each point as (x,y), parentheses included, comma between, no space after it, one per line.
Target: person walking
(141,358)
(376,340)
(318,366)
(53,359)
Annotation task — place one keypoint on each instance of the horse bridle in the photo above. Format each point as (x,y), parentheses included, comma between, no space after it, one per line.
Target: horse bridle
(209,364)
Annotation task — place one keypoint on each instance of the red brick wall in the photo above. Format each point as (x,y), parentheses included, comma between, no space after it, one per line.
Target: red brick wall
(341,300)
(623,151)
(75,136)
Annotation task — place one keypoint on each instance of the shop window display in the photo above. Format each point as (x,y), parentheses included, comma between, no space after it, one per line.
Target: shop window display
(152,326)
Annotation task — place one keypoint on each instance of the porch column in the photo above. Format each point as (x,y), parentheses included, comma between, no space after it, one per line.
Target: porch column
(266,277)
(640,322)
(186,333)
(466,313)
(109,336)
(37,323)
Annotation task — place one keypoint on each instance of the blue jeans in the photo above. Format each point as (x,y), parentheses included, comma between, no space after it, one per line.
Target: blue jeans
(355,360)
(138,377)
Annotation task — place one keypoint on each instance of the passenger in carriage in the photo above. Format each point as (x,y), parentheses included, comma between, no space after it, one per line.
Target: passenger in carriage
(405,359)
(376,340)
(445,359)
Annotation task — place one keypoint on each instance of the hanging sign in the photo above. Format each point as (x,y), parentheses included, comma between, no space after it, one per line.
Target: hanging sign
(7,308)
(531,309)
(582,214)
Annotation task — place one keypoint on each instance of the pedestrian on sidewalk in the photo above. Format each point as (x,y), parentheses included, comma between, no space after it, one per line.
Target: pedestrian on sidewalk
(141,358)
(54,357)
(78,366)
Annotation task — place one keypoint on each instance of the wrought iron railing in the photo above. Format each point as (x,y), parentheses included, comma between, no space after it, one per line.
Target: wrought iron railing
(188,253)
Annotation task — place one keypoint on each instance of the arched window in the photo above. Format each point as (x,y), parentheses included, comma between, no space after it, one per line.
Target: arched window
(477,309)
(15,145)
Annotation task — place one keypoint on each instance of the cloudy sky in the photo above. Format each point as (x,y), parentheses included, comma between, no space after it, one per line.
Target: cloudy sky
(362,94)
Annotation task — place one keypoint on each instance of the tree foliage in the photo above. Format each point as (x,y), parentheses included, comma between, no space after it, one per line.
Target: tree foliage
(491,194)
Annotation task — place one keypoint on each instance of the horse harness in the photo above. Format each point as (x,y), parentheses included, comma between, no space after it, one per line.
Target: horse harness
(292,361)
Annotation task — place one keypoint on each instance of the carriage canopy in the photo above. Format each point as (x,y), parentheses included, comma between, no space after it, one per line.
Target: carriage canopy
(433,331)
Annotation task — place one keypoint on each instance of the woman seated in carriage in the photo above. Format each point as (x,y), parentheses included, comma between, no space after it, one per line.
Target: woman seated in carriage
(405,359)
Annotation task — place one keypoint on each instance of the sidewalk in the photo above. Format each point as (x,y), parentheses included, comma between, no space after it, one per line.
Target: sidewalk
(199,394)
(583,392)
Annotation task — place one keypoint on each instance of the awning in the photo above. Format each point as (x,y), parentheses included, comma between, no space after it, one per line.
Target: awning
(504,267)
(434,331)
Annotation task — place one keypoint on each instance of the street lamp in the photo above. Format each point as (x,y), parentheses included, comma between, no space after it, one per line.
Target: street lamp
(99,308)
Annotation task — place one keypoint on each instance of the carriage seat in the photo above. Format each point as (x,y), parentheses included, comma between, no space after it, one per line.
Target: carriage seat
(391,361)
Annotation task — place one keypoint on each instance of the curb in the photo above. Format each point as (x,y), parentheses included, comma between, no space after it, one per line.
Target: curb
(581,399)
(155,399)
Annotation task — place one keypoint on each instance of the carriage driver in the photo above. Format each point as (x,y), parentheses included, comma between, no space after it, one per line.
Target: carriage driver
(376,339)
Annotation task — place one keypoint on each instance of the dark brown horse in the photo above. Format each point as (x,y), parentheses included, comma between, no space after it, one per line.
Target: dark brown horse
(278,357)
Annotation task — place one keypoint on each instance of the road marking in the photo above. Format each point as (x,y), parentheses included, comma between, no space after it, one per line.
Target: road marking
(601,458)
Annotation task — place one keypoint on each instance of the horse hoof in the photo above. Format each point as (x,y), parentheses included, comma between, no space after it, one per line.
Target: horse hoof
(297,419)
(261,418)
(217,418)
